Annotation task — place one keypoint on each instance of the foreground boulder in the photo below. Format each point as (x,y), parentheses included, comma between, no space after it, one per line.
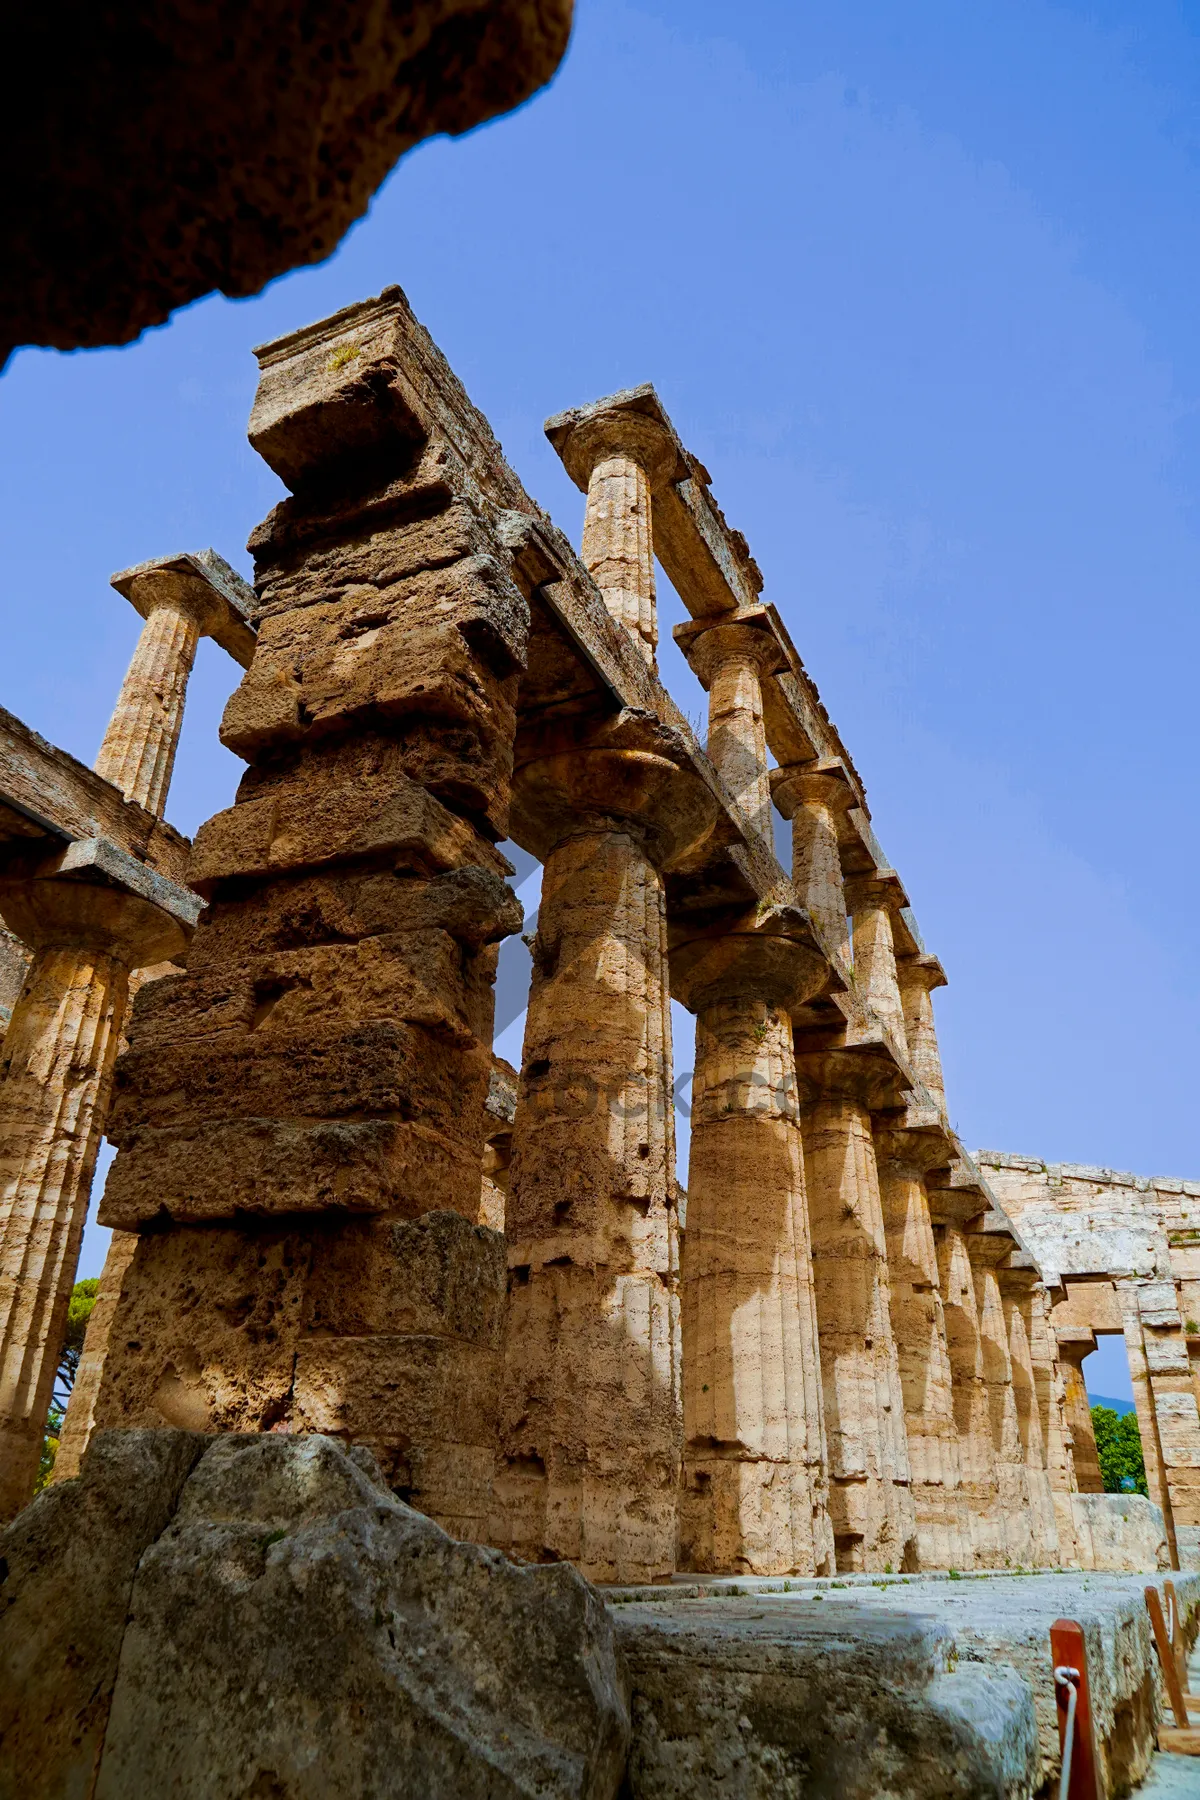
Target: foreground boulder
(293,1630)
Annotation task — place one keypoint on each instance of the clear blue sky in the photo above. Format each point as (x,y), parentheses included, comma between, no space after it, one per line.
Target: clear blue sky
(918,284)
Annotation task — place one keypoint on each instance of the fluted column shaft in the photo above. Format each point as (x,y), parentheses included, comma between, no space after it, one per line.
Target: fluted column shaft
(969,1388)
(754,1497)
(618,546)
(591,1426)
(138,751)
(1079,1418)
(1050,1389)
(1011,1473)
(870,1501)
(918,976)
(875,974)
(814,796)
(919,1328)
(1018,1312)
(58,1060)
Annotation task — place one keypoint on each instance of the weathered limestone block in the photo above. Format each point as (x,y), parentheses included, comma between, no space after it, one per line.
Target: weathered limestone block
(620,451)
(814,796)
(919,1328)
(778,1698)
(1122,1532)
(755,1492)
(591,1423)
(969,1388)
(69,1564)
(301,1117)
(81,1410)
(387,1658)
(870,1495)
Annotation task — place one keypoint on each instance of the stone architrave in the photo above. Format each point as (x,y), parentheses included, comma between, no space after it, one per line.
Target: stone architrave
(301,1117)
(590,1422)
(90,915)
(919,1327)
(814,796)
(620,452)
(870,1479)
(755,1494)
(972,1414)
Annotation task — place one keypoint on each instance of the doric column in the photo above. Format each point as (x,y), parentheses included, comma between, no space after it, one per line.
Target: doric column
(182,599)
(619,452)
(1051,1395)
(730,659)
(919,976)
(870,900)
(590,1416)
(300,1117)
(919,1328)
(814,796)
(987,1250)
(1017,1281)
(972,1415)
(870,1497)
(1074,1344)
(755,1488)
(86,934)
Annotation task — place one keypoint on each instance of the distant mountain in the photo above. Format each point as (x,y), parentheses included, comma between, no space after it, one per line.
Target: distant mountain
(1118,1406)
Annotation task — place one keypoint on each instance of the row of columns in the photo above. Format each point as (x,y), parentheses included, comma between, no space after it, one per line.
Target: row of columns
(825,1365)
(87,938)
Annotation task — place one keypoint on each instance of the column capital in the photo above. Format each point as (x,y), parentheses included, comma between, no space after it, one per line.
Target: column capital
(920,1148)
(867,1074)
(630,424)
(923,971)
(201,586)
(877,888)
(632,772)
(94,893)
(825,781)
(747,635)
(769,955)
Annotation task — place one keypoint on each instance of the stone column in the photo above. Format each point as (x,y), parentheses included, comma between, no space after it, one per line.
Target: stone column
(1074,1345)
(814,796)
(919,1328)
(755,1488)
(870,1497)
(57,1075)
(1017,1282)
(619,455)
(590,1414)
(182,599)
(969,1389)
(1051,1396)
(919,976)
(300,1118)
(730,659)
(870,899)
(987,1251)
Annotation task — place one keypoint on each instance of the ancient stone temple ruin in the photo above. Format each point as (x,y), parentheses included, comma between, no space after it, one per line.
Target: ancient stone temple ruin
(846,1348)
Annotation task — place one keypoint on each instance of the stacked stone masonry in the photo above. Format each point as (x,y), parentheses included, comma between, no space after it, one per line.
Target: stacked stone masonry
(849,1346)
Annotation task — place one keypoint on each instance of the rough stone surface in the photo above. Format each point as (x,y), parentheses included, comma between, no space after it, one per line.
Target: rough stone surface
(386,1658)
(170,152)
(1125,1532)
(67,1566)
(754,1699)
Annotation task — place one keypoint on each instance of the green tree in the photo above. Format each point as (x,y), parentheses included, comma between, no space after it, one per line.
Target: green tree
(83,1298)
(1119,1448)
